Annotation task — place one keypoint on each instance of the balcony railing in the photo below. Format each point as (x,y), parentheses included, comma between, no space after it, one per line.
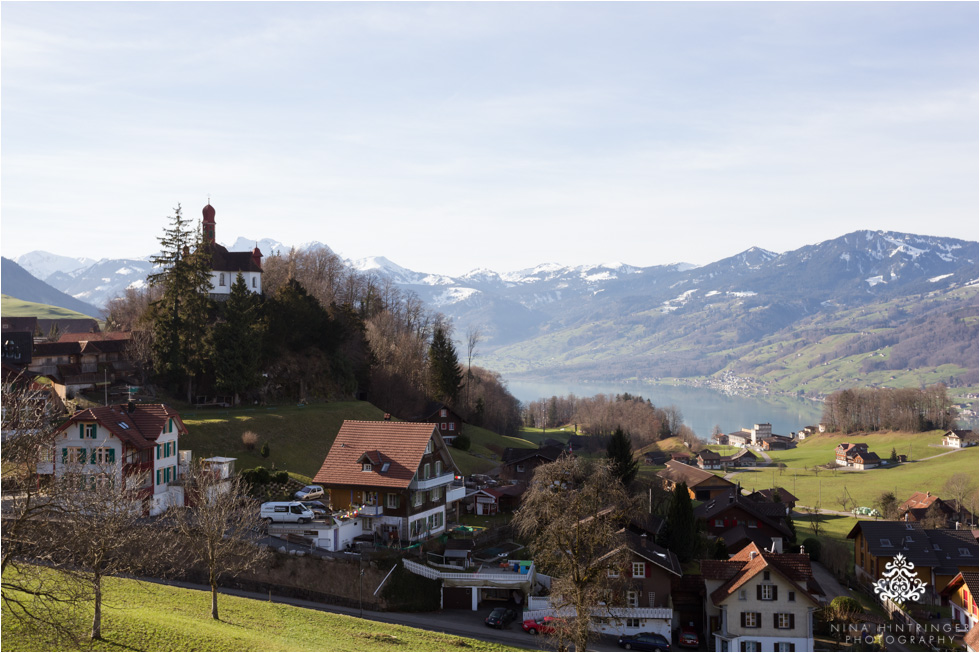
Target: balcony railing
(428,484)
(455,493)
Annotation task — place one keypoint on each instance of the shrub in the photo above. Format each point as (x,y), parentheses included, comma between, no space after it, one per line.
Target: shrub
(812,546)
(281,477)
(249,440)
(462,442)
(846,605)
(264,451)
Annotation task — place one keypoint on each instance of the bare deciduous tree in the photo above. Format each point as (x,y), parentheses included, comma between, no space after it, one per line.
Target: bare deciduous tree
(572,515)
(222,527)
(959,487)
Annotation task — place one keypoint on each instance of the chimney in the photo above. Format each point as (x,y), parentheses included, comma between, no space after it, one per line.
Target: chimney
(130,407)
(643,540)
(777,545)
(753,554)
(387,417)
(928,494)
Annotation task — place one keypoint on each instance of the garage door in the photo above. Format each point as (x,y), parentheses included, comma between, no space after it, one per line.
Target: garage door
(457,597)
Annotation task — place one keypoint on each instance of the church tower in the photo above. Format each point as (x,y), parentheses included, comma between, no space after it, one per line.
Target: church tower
(208,224)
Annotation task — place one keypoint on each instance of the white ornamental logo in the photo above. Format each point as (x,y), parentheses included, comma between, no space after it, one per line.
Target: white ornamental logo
(900,582)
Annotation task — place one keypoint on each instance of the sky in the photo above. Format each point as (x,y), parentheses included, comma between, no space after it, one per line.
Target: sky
(453,136)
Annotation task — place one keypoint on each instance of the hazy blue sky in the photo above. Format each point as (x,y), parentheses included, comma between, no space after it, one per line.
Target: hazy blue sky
(454,136)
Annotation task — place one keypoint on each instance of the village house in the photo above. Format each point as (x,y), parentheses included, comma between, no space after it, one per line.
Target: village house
(922,505)
(744,458)
(701,485)
(963,595)
(129,443)
(938,554)
(449,422)
(739,520)
(856,456)
(493,500)
(708,459)
(519,464)
(769,495)
(960,438)
(226,266)
(753,436)
(761,600)
(399,476)
(682,457)
(777,443)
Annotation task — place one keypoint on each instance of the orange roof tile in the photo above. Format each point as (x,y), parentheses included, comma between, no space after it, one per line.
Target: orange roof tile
(139,428)
(402,444)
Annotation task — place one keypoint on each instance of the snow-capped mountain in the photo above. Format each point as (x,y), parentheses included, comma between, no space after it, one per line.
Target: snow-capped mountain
(44,264)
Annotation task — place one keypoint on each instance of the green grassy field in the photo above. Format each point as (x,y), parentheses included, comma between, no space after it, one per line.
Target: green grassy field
(863,487)
(151,617)
(13,307)
(485,449)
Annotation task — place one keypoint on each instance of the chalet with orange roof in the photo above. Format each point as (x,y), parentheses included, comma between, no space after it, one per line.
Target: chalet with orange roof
(398,476)
(963,595)
(761,600)
(129,443)
(856,455)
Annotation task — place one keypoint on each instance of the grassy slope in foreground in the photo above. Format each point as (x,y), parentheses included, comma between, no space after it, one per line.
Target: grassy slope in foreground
(13,307)
(151,617)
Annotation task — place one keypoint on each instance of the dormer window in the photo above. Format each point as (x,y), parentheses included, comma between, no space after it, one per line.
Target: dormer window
(365,467)
(885,542)
(384,468)
(964,552)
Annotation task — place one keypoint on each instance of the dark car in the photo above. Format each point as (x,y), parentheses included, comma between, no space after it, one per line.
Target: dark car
(500,617)
(319,510)
(644,642)
(688,637)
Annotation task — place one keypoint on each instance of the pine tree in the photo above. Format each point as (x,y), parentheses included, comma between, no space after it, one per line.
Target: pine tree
(620,451)
(237,341)
(444,372)
(180,317)
(682,532)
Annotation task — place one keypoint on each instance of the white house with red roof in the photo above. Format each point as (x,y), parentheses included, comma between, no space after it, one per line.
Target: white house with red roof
(398,476)
(127,441)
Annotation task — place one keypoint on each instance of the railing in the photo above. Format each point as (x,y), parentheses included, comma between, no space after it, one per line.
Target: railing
(430,483)
(618,613)
(502,577)
(370,510)
(455,494)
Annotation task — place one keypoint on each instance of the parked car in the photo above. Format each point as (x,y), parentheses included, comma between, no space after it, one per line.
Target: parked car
(644,642)
(545,626)
(317,507)
(500,617)
(308,493)
(688,637)
(286,511)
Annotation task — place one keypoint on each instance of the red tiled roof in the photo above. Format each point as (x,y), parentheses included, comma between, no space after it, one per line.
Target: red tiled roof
(794,567)
(919,500)
(972,638)
(95,337)
(139,428)
(677,472)
(400,443)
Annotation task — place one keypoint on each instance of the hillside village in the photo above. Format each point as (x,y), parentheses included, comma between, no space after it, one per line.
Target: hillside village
(427,470)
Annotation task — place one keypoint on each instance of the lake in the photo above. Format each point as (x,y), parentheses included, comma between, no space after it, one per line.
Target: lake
(702,408)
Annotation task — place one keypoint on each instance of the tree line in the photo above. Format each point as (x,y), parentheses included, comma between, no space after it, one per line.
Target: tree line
(889,409)
(320,330)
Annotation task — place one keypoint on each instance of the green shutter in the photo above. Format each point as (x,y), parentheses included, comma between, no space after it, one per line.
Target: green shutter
(81,431)
(112,455)
(64,456)
(81,455)
(158,477)
(92,457)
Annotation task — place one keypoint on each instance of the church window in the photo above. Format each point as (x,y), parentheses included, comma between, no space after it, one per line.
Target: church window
(221,279)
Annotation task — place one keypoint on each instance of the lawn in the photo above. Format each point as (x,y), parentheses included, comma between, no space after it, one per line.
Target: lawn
(13,307)
(152,617)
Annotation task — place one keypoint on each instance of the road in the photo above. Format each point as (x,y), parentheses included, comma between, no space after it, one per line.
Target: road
(464,623)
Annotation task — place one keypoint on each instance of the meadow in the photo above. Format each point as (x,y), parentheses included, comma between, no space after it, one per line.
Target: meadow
(153,617)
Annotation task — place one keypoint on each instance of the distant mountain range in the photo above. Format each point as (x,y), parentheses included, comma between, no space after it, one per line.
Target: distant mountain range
(616,321)
(18,282)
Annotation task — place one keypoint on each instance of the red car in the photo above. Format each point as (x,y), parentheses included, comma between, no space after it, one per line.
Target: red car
(688,638)
(535,626)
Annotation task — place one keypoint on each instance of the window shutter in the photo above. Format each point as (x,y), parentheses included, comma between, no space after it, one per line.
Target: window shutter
(743,648)
(64,456)
(792,620)
(775,593)
(81,431)
(743,626)
(792,646)
(92,457)
(81,455)
(158,476)
(758,620)
(758,592)
(775,620)
(112,455)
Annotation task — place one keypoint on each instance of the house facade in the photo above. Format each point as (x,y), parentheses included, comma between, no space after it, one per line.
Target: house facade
(131,443)
(856,455)
(960,438)
(740,520)
(519,464)
(398,476)
(449,422)
(761,600)
(962,594)
(702,485)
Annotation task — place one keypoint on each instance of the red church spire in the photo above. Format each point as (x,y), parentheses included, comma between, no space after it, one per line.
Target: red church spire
(208,223)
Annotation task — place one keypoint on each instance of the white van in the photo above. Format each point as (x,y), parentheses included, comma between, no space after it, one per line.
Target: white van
(286,511)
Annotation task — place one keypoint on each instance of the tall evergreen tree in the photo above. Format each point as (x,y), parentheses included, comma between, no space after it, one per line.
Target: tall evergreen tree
(681,528)
(444,371)
(237,341)
(620,451)
(180,317)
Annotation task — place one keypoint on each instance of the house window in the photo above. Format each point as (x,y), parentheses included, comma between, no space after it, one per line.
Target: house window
(104,455)
(417,499)
(392,500)
(633,623)
(783,620)
(767,593)
(435,494)
(792,595)
(765,575)
(452,426)
(613,573)
(751,646)
(750,619)
(443,413)
(639,569)
(426,472)
(253,282)
(785,646)
(633,599)
(443,426)
(719,523)
(221,279)
(90,431)
(742,595)
(370,498)
(428,447)
(520,468)
(365,467)
(438,468)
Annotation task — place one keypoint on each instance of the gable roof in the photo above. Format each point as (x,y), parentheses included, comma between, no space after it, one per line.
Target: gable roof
(677,472)
(224,261)
(939,548)
(764,495)
(708,454)
(793,567)
(514,455)
(968,578)
(771,513)
(140,428)
(400,443)
(648,550)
